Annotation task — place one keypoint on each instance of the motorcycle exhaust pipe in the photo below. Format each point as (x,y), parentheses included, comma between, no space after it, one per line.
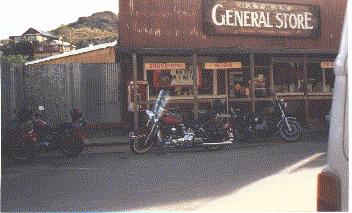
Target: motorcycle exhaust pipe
(220,143)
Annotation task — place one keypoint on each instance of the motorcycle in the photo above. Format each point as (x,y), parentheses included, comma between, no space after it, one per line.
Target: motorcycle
(247,125)
(32,135)
(168,128)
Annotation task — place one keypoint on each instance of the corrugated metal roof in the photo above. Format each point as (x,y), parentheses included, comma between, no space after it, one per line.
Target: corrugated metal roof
(74,52)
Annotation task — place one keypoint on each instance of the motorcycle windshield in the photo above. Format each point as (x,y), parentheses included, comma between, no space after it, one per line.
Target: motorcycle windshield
(160,103)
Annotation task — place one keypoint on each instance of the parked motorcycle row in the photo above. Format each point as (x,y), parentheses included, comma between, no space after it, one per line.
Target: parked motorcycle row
(165,127)
(28,135)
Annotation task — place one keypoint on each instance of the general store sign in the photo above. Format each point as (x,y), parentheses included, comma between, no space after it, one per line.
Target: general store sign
(165,66)
(228,17)
(222,65)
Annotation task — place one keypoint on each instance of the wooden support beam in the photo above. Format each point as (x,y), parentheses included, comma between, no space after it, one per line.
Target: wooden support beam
(271,74)
(215,84)
(135,76)
(251,69)
(195,85)
(306,103)
(323,79)
(227,90)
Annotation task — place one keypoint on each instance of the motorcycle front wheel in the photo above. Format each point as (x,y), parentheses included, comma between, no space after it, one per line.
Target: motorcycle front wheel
(142,143)
(72,145)
(294,135)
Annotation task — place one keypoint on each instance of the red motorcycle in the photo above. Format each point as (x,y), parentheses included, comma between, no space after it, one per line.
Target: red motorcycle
(31,135)
(171,131)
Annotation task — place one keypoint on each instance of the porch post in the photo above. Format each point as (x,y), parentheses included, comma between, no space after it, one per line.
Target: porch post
(251,68)
(195,85)
(306,102)
(271,73)
(227,90)
(324,79)
(135,113)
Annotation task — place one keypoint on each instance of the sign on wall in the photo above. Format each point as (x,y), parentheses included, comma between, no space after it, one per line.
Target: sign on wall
(327,64)
(164,66)
(229,17)
(222,65)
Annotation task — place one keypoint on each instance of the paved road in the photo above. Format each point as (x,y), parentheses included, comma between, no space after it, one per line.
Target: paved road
(270,176)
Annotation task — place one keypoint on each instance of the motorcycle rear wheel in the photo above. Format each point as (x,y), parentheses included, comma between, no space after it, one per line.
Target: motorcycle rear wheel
(294,135)
(139,145)
(72,145)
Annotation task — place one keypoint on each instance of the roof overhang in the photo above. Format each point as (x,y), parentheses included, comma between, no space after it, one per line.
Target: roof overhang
(219,51)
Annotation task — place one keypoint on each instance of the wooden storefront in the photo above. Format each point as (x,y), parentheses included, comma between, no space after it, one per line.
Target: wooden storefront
(233,51)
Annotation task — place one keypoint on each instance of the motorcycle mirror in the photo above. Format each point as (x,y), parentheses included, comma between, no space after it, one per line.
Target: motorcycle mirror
(41,108)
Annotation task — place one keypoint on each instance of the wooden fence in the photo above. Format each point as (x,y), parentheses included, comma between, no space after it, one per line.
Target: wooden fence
(12,95)
(94,88)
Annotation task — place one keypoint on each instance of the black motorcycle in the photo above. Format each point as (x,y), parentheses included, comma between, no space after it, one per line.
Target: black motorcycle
(30,135)
(168,128)
(248,125)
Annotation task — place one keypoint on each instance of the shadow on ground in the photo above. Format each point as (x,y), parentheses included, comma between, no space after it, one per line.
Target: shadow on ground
(182,180)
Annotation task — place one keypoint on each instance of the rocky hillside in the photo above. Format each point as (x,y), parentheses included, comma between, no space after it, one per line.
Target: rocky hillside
(98,28)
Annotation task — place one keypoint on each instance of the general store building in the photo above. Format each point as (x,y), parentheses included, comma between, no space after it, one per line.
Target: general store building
(233,51)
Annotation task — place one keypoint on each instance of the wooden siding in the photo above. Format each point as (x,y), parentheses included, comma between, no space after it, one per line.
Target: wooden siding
(102,56)
(179,24)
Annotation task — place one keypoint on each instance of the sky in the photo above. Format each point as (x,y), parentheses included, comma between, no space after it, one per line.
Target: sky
(16,16)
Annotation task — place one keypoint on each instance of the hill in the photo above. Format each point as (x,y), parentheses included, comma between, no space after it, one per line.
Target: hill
(98,28)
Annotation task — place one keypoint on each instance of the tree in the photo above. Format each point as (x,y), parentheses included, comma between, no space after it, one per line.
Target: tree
(24,48)
(14,59)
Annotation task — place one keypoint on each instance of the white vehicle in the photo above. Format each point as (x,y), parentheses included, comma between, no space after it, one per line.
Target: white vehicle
(332,192)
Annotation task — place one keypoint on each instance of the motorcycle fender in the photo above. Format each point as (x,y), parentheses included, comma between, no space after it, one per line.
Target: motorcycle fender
(281,122)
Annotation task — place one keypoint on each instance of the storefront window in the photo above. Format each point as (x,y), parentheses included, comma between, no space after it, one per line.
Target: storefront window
(261,82)
(177,78)
(330,79)
(221,83)
(288,77)
(320,80)
(177,82)
(206,82)
(239,83)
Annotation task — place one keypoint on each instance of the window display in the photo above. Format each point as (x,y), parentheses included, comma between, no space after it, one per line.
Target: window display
(239,84)
(315,78)
(320,78)
(330,79)
(207,82)
(261,82)
(177,78)
(288,78)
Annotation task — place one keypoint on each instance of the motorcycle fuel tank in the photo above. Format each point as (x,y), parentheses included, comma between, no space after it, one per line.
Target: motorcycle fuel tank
(170,119)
